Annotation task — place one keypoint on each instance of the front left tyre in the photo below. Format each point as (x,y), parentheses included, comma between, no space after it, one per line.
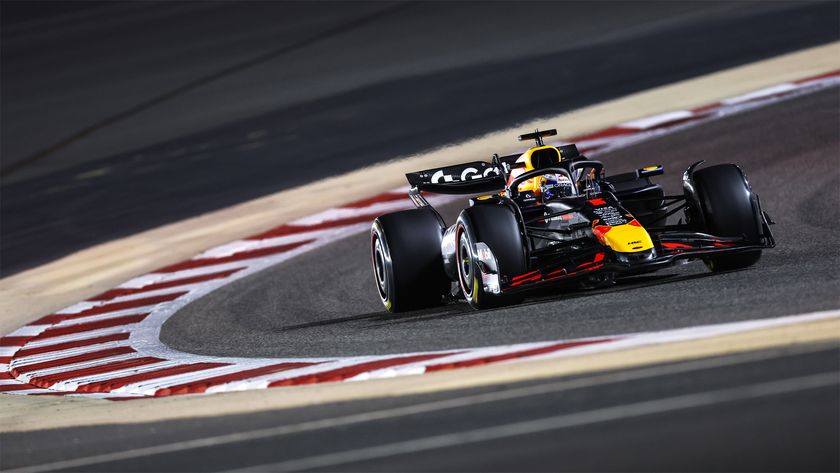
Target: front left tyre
(407,262)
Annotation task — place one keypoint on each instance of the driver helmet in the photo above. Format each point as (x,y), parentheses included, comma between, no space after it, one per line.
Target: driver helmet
(555,186)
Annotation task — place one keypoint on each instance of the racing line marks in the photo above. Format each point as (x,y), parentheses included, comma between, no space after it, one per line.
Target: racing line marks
(504,394)
(108,345)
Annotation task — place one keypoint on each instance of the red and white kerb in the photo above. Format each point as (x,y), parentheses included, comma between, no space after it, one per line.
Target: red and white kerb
(108,346)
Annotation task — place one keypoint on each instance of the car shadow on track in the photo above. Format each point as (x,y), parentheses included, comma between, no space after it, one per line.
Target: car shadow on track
(458,309)
(546,296)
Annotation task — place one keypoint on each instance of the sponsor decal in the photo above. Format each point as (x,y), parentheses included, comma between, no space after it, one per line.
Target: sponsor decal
(108,346)
(610,216)
(467,174)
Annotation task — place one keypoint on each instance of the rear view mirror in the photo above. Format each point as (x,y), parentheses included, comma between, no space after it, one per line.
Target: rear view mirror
(649,171)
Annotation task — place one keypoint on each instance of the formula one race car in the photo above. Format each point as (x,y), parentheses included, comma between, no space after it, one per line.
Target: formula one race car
(551,216)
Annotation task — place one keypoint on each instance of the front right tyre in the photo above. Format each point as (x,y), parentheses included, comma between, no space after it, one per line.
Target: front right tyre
(729,209)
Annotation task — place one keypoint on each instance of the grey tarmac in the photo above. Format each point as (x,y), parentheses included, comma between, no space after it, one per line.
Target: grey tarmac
(324,303)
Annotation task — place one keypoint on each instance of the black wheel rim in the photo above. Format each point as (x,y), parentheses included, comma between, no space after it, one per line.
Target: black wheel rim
(465,264)
(379,268)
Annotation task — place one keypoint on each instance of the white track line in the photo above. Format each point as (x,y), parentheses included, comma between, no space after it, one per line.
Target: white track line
(71,384)
(607,414)
(20,362)
(27,376)
(656,120)
(144,335)
(28,331)
(87,335)
(248,245)
(105,316)
(502,395)
(158,278)
(154,293)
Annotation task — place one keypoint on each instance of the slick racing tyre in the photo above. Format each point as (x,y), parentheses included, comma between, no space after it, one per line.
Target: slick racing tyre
(729,209)
(496,227)
(407,262)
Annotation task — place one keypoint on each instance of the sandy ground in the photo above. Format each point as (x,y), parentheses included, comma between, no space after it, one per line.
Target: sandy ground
(39,291)
(25,413)
(36,292)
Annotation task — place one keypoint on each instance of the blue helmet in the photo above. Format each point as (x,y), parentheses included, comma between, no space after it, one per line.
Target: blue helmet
(553,187)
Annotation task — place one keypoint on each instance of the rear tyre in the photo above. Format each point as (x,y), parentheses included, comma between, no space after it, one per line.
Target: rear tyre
(407,262)
(497,227)
(729,209)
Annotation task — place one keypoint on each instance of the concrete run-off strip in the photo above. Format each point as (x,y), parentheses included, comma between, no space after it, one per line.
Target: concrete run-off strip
(30,294)
(102,319)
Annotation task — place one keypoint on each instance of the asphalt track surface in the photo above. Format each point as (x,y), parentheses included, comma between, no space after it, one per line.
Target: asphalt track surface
(129,116)
(324,303)
(774,410)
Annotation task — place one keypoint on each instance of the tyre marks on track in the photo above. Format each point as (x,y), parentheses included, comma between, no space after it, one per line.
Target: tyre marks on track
(108,346)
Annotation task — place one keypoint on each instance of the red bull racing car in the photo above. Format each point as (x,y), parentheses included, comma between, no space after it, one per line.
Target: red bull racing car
(551,216)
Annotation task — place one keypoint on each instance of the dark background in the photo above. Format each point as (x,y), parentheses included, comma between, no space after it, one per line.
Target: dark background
(119,117)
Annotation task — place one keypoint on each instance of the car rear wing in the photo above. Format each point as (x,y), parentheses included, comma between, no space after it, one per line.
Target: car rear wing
(477,177)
